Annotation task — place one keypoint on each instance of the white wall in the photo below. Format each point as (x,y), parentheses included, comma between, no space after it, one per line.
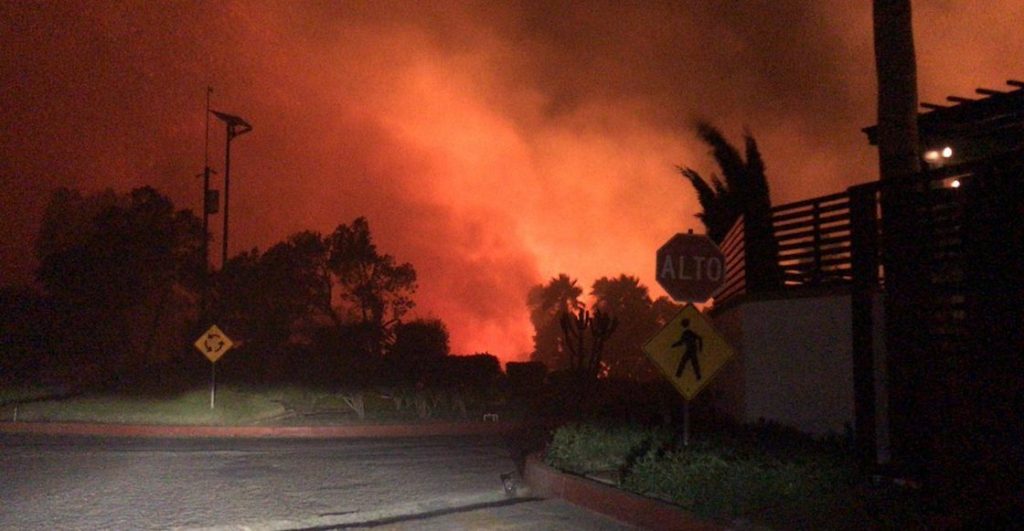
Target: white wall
(794,363)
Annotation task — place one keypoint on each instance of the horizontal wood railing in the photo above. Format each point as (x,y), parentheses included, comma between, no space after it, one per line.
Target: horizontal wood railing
(814,240)
(733,247)
(836,239)
(817,239)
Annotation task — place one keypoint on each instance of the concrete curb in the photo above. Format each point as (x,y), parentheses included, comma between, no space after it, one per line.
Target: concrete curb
(615,503)
(308,432)
(373,518)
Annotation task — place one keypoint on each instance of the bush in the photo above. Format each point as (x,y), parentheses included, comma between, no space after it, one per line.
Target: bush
(480,372)
(526,377)
(717,482)
(584,448)
(763,473)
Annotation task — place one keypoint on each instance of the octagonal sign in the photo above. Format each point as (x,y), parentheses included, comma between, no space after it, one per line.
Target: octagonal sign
(691,268)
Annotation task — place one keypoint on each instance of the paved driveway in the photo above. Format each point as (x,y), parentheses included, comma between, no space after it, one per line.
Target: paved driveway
(424,483)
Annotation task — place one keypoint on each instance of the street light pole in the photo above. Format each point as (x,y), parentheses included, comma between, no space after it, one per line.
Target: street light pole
(235,127)
(210,204)
(227,198)
(206,192)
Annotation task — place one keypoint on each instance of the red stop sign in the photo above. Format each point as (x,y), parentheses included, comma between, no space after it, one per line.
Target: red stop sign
(691,268)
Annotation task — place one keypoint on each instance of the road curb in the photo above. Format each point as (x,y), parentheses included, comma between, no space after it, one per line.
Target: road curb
(257,432)
(378,517)
(615,503)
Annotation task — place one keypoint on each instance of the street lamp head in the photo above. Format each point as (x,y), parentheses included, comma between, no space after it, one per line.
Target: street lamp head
(236,125)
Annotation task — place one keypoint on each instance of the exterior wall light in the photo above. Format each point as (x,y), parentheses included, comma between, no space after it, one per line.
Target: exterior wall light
(938,157)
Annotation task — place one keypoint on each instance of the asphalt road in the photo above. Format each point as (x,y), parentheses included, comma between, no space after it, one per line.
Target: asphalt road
(426,483)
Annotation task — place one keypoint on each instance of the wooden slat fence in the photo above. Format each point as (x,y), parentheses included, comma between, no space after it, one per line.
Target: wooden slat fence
(814,240)
(941,214)
(817,241)
(734,249)
(832,239)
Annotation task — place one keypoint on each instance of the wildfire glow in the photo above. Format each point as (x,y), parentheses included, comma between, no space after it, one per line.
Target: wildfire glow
(491,145)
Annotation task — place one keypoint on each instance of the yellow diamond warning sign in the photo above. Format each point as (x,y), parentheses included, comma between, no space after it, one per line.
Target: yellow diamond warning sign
(689,351)
(213,343)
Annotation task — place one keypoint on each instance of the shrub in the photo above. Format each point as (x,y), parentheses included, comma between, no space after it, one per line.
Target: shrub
(763,473)
(584,448)
(716,483)
(480,371)
(526,377)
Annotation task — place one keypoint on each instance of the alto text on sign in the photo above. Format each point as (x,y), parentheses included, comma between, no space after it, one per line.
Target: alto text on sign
(690,267)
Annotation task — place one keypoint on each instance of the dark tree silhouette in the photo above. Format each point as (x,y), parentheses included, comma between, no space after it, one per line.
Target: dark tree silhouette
(26,335)
(373,288)
(237,291)
(338,295)
(526,378)
(547,302)
(120,270)
(480,372)
(742,190)
(266,299)
(586,335)
(639,318)
(419,349)
(303,259)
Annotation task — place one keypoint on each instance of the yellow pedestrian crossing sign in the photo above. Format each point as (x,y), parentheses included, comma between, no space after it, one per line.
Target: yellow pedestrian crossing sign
(689,351)
(214,343)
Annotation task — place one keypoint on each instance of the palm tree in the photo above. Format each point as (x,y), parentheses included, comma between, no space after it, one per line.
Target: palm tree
(629,301)
(910,364)
(896,68)
(742,190)
(547,302)
(722,199)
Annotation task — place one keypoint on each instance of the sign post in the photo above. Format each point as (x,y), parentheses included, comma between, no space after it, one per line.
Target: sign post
(213,344)
(688,350)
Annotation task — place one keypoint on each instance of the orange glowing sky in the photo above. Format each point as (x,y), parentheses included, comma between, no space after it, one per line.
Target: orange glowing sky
(493,145)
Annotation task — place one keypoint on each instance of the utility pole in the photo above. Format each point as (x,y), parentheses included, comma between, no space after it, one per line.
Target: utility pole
(209,207)
(210,204)
(235,126)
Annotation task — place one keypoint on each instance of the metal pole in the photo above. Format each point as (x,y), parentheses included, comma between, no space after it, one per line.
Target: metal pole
(227,188)
(206,219)
(234,126)
(686,422)
(213,383)
(206,189)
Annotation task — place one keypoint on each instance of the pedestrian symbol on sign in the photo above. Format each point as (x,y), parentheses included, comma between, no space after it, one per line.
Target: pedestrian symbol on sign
(692,345)
(689,340)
